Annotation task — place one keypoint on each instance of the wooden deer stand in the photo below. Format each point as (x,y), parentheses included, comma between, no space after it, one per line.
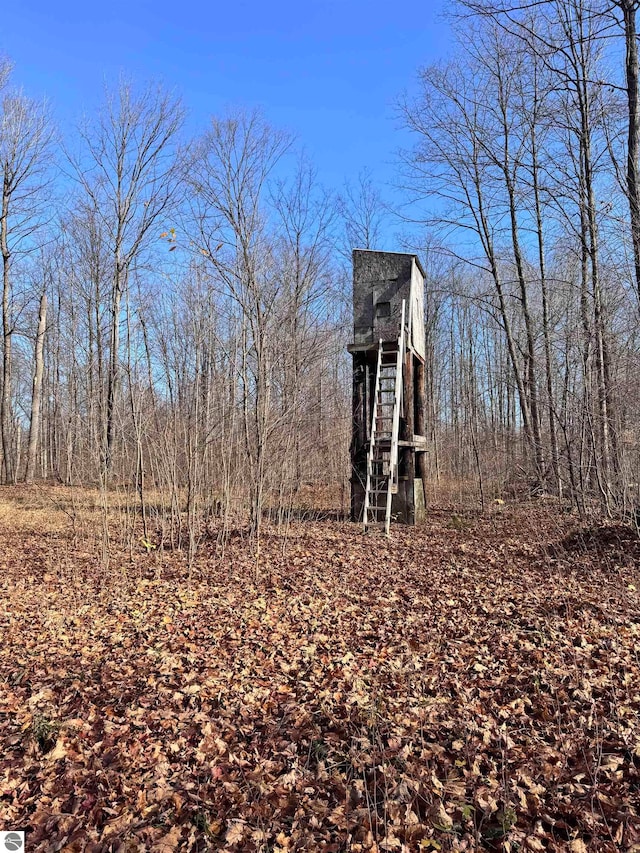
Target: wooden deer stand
(388,445)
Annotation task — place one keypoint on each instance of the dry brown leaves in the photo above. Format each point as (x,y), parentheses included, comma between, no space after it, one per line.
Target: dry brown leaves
(459,687)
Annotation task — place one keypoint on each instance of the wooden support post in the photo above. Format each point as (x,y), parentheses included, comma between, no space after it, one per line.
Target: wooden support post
(367,409)
(359,411)
(421,422)
(358,436)
(407,434)
(407,402)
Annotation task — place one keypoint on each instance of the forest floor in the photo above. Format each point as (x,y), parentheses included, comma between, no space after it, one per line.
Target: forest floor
(467,685)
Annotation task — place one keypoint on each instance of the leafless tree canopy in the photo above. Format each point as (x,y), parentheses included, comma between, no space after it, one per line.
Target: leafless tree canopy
(175,312)
(524,166)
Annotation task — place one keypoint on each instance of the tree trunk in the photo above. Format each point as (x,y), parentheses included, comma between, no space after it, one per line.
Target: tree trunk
(629,11)
(36,397)
(6,421)
(114,369)
(546,332)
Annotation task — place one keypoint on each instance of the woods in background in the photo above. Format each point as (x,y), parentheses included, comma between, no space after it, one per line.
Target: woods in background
(173,315)
(175,312)
(527,148)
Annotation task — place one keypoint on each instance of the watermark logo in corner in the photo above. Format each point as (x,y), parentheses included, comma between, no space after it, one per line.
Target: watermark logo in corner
(12,841)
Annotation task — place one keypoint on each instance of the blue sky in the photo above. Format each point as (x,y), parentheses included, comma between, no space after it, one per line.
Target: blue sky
(326,70)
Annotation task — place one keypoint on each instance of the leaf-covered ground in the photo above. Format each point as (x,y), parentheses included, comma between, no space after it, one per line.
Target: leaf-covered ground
(470,685)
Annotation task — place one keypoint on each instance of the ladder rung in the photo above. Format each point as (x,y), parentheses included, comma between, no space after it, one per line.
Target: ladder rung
(381,483)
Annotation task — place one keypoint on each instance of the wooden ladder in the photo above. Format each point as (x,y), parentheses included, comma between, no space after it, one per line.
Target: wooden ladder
(382,458)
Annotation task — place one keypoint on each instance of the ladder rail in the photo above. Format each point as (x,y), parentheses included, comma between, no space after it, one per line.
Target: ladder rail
(378,483)
(372,442)
(395,428)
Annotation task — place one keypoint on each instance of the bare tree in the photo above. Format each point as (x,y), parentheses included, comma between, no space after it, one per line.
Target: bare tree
(127,171)
(364,213)
(5,71)
(25,142)
(305,216)
(36,396)
(455,160)
(228,179)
